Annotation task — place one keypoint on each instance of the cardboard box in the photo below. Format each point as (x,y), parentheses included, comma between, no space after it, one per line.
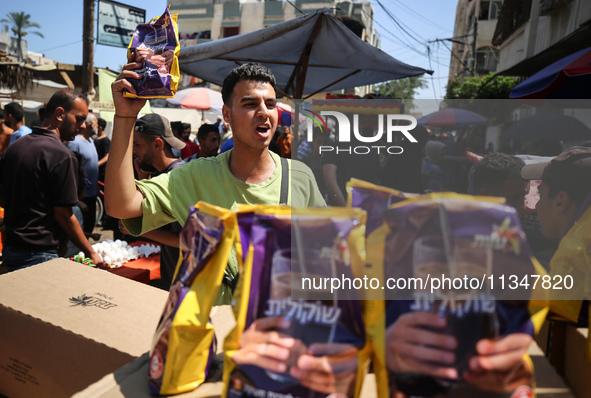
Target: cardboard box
(64,326)
(130,381)
(577,368)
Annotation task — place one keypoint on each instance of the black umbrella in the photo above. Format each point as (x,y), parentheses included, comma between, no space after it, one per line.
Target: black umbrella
(309,54)
(548,127)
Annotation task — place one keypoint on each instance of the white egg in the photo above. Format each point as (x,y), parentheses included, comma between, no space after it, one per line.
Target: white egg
(107,260)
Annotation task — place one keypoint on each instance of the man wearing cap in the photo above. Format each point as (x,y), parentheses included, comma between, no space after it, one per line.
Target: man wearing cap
(248,173)
(152,147)
(564,214)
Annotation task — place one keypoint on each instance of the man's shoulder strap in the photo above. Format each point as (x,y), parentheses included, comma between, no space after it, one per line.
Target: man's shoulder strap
(284,182)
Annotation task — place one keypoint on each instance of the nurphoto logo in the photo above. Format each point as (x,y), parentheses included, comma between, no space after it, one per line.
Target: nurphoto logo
(91,301)
(348,132)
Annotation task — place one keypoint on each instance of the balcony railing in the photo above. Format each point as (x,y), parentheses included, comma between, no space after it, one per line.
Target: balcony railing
(549,6)
(513,15)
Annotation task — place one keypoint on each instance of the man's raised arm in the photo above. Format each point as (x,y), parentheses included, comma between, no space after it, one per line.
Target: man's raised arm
(122,199)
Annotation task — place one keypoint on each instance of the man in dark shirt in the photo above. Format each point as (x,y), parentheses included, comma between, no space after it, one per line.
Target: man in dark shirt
(209,141)
(342,163)
(38,181)
(179,132)
(102,145)
(84,146)
(153,141)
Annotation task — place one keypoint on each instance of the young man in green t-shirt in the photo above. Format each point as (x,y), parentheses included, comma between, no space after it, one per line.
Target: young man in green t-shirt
(249,173)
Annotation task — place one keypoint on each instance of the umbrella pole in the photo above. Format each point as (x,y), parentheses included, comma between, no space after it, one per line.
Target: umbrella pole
(296,104)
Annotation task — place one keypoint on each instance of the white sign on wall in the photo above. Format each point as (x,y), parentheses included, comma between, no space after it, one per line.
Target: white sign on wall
(117,22)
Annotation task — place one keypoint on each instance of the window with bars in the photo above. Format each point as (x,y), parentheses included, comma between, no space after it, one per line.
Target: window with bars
(490,9)
(486,60)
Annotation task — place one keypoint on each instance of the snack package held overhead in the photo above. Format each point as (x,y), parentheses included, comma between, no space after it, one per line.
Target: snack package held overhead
(182,349)
(313,340)
(157,42)
(432,251)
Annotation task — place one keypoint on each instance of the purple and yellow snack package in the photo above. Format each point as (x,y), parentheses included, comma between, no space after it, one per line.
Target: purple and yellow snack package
(453,267)
(158,42)
(183,345)
(374,199)
(293,336)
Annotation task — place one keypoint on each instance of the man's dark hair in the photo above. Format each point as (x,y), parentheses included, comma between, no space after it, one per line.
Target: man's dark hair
(577,188)
(16,110)
(36,123)
(176,126)
(576,192)
(420,134)
(101,122)
(64,98)
(204,130)
(186,126)
(149,138)
(251,72)
(494,169)
(546,148)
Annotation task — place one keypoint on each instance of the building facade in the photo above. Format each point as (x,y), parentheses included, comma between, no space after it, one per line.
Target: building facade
(532,34)
(473,53)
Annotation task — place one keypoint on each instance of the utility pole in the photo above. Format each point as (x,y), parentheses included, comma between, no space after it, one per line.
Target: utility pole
(88,49)
(455,40)
(475,35)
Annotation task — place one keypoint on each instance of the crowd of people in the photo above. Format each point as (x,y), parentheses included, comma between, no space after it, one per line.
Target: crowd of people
(153,172)
(90,146)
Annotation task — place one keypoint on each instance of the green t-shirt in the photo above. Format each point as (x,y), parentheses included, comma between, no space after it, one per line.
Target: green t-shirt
(168,197)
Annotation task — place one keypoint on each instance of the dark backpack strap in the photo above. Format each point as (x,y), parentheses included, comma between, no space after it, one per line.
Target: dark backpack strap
(284,182)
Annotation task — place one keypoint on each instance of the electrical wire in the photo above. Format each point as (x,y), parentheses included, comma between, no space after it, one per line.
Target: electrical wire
(432,81)
(419,16)
(454,55)
(294,6)
(435,59)
(63,45)
(407,45)
(400,25)
(408,33)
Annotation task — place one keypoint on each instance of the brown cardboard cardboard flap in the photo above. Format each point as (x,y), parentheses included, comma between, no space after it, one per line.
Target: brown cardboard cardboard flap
(131,380)
(65,325)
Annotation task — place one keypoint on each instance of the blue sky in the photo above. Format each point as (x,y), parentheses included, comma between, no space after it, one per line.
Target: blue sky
(424,20)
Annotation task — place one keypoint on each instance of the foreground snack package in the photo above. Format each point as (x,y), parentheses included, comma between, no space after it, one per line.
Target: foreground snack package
(374,199)
(158,43)
(424,337)
(291,339)
(183,345)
